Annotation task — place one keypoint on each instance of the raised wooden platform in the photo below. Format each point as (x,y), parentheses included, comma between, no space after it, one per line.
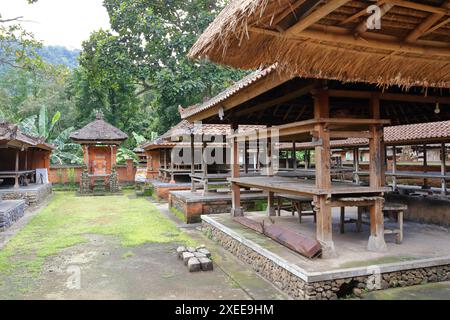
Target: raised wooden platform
(304,187)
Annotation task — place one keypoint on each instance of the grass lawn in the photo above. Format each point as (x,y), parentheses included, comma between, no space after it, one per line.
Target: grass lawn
(67,220)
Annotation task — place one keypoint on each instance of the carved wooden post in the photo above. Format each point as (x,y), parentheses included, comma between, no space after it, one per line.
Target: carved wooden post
(16,184)
(236,209)
(193,188)
(323,175)
(425,164)
(394,168)
(376,239)
(356,164)
(204,168)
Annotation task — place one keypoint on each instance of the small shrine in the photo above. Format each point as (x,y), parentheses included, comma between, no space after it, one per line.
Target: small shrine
(99,141)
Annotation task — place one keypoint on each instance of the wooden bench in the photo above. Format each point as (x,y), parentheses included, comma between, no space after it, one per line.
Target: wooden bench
(390,209)
(296,203)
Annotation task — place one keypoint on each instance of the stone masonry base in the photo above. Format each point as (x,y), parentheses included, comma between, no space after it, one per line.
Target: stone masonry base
(287,277)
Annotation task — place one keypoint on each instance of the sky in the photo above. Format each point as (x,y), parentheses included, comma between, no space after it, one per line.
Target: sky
(58,22)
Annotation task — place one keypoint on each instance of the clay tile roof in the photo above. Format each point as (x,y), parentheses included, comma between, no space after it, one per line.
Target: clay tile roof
(430,132)
(228,93)
(186,128)
(414,132)
(99,130)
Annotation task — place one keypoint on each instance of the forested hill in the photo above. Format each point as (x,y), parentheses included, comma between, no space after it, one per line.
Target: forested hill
(59,55)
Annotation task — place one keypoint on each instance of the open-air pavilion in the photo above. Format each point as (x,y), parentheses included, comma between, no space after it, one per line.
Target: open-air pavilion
(24,168)
(330,75)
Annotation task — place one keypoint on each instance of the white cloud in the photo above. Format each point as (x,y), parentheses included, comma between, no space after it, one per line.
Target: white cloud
(59,22)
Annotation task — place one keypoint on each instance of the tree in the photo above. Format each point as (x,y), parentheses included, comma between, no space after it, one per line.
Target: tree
(144,57)
(18,46)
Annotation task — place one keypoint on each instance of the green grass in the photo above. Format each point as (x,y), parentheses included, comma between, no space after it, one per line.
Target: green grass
(67,220)
(178,214)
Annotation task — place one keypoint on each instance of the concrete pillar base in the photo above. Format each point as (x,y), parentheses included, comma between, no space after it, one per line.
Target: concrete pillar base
(328,249)
(376,244)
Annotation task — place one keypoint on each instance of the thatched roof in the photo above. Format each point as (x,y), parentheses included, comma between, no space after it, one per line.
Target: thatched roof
(11,134)
(99,130)
(330,40)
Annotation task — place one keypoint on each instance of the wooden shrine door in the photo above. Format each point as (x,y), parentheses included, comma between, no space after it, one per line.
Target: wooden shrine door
(99,163)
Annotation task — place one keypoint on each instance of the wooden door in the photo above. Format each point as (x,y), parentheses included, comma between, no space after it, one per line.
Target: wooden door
(99,163)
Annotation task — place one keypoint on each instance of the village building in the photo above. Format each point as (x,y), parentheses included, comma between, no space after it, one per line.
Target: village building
(330,76)
(24,168)
(99,141)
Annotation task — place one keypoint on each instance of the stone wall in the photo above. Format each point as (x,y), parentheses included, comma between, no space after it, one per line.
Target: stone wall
(10,212)
(31,197)
(297,288)
(193,210)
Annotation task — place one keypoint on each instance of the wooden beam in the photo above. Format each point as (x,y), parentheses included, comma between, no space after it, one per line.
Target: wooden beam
(316,15)
(16,183)
(368,42)
(388,96)
(437,26)
(286,12)
(284,98)
(426,24)
(419,6)
(350,134)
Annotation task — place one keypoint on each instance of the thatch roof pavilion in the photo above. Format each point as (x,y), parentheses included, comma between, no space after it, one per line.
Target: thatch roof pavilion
(331,39)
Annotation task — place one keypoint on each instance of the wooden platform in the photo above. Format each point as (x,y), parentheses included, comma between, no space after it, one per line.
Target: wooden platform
(304,187)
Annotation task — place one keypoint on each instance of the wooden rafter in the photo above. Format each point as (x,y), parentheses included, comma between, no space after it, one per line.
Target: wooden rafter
(426,24)
(316,16)
(362,26)
(419,6)
(360,13)
(437,26)
(291,9)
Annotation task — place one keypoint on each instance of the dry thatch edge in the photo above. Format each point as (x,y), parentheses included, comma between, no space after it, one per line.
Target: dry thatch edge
(231,24)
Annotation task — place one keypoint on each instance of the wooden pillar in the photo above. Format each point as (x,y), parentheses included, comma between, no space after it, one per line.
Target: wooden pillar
(425,164)
(376,239)
(171,154)
(16,184)
(204,168)
(165,163)
(394,168)
(294,156)
(246,156)
(193,188)
(323,175)
(26,159)
(443,168)
(356,164)
(236,209)
(269,156)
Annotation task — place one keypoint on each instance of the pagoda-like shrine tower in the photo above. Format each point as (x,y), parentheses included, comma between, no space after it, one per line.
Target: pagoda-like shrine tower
(99,141)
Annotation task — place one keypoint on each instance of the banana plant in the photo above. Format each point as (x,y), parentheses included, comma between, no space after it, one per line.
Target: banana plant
(40,126)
